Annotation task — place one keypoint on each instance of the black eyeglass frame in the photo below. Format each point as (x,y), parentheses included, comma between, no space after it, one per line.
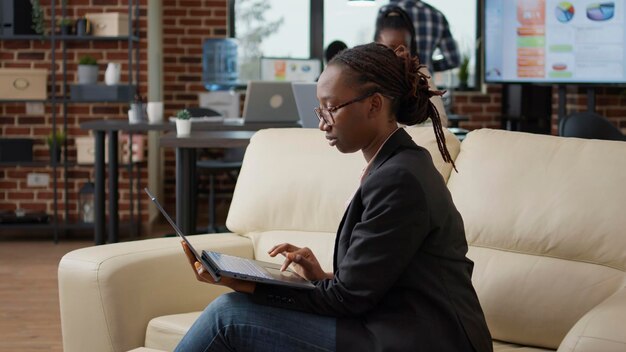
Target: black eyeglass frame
(319,112)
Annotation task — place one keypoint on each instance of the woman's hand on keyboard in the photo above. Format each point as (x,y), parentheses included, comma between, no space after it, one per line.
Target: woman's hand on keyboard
(304,261)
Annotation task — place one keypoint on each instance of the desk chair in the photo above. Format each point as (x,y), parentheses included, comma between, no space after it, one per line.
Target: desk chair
(229,163)
(589,125)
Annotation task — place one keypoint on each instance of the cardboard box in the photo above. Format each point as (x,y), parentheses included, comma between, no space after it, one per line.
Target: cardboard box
(23,84)
(86,150)
(111,24)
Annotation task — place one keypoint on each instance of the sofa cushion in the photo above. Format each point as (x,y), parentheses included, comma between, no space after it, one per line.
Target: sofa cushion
(283,160)
(165,332)
(499,346)
(546,230)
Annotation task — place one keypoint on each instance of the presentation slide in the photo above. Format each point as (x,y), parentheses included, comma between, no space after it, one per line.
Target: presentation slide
(552,41)
(294,70)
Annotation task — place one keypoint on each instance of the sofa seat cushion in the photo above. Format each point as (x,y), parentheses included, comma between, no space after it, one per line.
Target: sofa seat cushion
(499,346)
(321,243)
(145,349)
(165,332)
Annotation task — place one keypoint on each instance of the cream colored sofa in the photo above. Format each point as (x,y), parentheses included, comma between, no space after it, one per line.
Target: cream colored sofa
(545,218)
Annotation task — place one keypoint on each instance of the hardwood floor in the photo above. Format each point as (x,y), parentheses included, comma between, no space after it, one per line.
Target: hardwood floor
(29,299)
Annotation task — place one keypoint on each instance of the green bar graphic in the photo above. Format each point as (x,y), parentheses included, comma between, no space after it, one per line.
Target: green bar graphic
(531,42)
(560,74)
(561,48)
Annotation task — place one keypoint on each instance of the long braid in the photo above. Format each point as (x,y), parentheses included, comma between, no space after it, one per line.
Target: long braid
(397,75)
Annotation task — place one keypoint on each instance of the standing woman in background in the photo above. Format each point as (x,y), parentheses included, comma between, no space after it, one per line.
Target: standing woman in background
(394,29)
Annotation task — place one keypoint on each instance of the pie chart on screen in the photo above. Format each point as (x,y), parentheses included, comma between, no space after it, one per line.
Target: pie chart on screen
(601,12)
(564,12)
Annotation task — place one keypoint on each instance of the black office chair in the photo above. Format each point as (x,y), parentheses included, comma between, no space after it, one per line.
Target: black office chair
(229,162)
(589,125)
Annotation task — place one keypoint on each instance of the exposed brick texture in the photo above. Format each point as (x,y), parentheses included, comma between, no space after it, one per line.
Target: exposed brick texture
(186,24)
(484,109)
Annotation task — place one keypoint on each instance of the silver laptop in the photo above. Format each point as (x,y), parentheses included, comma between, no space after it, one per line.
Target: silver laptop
(306,100)
(268,102)
(218,264)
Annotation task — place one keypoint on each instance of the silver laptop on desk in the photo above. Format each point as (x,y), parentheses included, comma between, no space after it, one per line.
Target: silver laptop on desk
(306,100)
(219,265)
(268,102)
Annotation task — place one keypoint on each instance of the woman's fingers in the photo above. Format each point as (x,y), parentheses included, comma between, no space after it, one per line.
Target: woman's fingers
(286,263)
(280,248)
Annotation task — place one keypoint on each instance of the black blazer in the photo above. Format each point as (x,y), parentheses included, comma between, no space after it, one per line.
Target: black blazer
(401,280)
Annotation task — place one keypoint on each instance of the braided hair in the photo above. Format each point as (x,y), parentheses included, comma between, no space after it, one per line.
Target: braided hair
(395,74)
(394,17)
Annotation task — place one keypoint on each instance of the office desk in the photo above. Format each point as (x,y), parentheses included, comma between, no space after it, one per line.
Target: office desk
(112,128)
(455,119)
(186,166)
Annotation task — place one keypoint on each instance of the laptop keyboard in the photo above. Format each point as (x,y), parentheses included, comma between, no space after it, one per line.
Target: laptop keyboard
(238,265)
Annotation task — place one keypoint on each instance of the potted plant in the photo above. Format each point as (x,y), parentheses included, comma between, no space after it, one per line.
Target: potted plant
(55,142)
(87,70)
(183,123)
(66,26)
(464,72)
(37,17)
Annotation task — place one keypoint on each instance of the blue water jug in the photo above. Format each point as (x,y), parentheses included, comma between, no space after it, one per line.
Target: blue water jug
(219,64)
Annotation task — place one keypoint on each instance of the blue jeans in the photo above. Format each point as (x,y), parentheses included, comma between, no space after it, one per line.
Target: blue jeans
(233,322)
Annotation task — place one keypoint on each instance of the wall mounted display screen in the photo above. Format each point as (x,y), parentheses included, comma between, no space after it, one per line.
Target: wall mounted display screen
(554,41)
(287,69)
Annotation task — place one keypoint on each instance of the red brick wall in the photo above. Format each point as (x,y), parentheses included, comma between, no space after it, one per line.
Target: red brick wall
(484,110)
(186,24)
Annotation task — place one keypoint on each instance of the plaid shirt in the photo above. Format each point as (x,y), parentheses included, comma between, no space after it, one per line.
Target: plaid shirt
(431,31)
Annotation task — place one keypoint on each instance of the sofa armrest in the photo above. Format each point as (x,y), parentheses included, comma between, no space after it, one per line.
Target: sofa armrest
(602,329)
(108,294)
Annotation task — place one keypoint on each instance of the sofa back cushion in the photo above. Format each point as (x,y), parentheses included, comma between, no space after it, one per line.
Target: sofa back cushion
(291,180)
(545,220)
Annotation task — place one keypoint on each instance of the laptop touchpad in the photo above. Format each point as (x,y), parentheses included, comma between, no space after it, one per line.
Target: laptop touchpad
(284,275)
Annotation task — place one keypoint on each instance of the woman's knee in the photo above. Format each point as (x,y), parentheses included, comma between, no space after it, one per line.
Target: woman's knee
(227,308)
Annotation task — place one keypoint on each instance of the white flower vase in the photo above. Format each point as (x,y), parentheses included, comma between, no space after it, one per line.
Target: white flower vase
(183,128)
(112,74)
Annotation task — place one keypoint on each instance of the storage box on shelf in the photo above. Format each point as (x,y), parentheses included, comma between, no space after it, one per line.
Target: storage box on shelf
(101,92)
(32,84)
(112,24)
(23,84)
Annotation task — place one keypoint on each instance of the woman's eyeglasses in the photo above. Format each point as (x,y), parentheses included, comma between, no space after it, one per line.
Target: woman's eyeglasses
(326,114)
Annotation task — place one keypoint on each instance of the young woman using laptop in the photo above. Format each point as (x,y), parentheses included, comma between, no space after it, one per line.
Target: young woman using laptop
(401,278)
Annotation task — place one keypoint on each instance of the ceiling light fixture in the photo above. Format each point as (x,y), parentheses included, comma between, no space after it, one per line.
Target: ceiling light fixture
(362,3)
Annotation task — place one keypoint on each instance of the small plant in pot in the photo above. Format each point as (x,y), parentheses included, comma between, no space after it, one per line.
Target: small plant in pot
(183,123)
(37,17)
(55,143)
(66,26)
(87,70)
(464,72)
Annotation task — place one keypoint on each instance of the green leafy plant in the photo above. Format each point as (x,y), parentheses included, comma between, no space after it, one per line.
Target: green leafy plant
(66,22)
(183,114)
(37,17)
(59,137)
(88,60)
(464,70)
